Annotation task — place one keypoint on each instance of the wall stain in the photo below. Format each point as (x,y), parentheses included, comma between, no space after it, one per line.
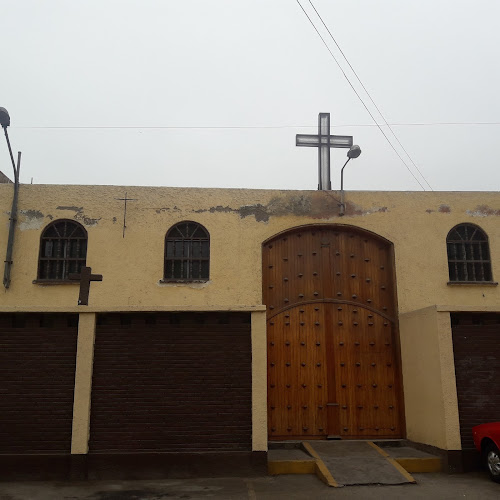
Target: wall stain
(296,205)
(483,211)
(353,209)
(315,205)
(32,214)
(80,216)
(444,209)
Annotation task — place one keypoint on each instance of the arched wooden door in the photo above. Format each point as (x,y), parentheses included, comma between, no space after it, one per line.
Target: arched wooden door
(333,352)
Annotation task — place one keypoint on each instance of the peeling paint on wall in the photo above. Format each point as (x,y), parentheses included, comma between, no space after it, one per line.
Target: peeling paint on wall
(483,211)
(353,209)
(193,285)
(32,219)
(80,216)
(159,210)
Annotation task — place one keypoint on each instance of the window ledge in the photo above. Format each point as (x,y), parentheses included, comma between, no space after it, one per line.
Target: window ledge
(473,283)
(55,282)
(180,282)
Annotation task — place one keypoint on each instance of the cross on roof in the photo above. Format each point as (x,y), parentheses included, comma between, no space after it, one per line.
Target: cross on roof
(85,277)
(324,141)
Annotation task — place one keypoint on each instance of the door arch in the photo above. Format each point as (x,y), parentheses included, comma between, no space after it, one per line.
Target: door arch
(333,347)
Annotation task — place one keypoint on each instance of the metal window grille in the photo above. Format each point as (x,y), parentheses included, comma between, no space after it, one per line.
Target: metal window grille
(468,254)
(63,250)
(187,252)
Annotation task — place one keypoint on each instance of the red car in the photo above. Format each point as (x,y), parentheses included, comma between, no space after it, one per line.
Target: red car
(487,441)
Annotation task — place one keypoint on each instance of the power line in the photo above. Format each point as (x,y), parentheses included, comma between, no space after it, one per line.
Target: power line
(368,94)
(243,127)
(359,97)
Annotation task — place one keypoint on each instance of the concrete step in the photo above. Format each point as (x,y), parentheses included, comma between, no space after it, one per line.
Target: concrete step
(412,459)
(290,461)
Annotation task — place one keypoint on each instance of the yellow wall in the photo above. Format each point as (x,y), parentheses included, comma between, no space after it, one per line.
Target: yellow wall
(429,378)
(239,221)
(83,384)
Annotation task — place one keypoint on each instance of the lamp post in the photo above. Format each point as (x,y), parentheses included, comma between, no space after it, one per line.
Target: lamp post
(354,152)
(5,122)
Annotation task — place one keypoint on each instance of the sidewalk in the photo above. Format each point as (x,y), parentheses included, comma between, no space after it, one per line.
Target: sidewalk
(429,486)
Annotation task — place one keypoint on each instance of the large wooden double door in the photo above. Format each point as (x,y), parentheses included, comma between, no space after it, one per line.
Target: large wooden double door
(333,352)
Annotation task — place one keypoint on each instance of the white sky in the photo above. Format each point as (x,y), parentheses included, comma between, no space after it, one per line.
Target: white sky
(249,63)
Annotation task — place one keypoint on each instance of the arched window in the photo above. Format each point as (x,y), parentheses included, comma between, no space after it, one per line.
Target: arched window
(187,252)
(63,250)
(468,254)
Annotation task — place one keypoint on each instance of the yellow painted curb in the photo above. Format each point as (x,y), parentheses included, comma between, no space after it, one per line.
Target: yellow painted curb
(393,462)
(321,470)
(277,467)
(380,450)
(420,464)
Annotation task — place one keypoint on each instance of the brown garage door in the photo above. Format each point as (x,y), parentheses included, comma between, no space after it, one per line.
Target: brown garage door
(476,346)
(37,374)
(171,382)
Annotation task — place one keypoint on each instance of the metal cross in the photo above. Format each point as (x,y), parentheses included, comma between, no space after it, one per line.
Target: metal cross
(85,277)
(125,210)
(324,141)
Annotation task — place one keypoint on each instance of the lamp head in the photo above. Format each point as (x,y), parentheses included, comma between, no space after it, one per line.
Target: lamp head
(4,118)
(354,151)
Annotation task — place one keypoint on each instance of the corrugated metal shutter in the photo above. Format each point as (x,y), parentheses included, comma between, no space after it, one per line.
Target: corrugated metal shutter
(37,375)
(476,346)
(171,382)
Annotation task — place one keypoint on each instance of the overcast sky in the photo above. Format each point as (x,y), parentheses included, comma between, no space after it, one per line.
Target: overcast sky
(211,93)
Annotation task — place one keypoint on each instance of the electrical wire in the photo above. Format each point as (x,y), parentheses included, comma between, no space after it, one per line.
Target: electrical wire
(250,127)
(369,96)
(359,97)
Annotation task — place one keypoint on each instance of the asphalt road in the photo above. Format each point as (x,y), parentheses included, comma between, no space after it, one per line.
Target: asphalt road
(429,486)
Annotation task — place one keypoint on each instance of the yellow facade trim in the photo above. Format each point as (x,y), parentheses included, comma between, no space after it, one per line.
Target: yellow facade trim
(83,384)
(321,469)
(277,467)
(419,465)
(393,462)
(259,383)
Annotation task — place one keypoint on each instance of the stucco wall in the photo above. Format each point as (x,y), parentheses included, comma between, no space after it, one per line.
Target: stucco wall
(238,221)
(429,378)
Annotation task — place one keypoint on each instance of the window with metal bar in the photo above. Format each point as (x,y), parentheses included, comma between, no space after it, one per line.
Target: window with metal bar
(63,250)
(468,254)
(187,252)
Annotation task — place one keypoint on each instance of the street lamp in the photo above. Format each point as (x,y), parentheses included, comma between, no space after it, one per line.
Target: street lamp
(5,122)
(354,152)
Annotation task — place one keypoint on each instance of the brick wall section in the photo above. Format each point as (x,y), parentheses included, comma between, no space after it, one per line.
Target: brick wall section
(171,382)
(476,346)
(37,374)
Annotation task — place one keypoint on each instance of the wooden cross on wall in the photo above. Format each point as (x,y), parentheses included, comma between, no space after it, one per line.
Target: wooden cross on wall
(324,141)
(85,277)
